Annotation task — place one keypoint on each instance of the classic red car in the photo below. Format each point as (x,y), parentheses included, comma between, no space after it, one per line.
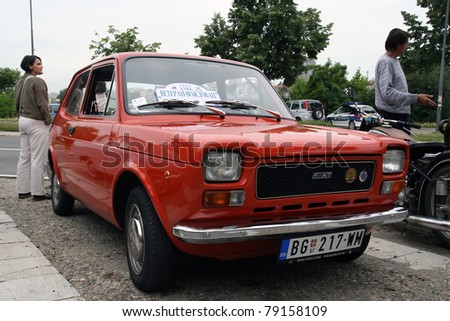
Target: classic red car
(202,156)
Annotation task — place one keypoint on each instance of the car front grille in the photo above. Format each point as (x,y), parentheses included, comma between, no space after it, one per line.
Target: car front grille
(288,180)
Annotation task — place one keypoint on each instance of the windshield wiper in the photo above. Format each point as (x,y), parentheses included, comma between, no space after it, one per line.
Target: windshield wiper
(236,104)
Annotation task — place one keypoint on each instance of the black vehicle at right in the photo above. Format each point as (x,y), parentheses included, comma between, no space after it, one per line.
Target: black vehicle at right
(426,195)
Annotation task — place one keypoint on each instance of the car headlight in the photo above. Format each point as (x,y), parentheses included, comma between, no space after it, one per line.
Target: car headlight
(393,161)
(222,166)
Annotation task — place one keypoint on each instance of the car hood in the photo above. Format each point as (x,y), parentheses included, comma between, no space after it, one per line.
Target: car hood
(187,141)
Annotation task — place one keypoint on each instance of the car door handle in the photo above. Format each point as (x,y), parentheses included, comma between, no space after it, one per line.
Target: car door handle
(71,129)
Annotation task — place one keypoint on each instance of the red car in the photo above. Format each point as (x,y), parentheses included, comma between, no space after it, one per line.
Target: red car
(200,155)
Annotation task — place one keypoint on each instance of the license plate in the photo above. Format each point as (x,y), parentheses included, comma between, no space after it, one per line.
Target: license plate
(317,246)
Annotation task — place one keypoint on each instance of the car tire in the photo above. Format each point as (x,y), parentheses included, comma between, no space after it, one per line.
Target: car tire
(149,250)
(430,203)
(317,114)
(357,253)
(62,203)
(351,125)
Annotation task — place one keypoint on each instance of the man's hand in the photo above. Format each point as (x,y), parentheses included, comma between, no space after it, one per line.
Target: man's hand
(426,100)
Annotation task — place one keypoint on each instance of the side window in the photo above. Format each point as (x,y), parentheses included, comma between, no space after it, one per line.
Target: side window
(99,91)
(295,105)
(76,95)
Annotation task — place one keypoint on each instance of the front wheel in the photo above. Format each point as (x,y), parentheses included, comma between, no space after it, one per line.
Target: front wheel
(430,204)
(149,250)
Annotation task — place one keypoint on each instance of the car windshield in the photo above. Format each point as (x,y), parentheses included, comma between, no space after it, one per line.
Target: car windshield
(200,84)
(368,109)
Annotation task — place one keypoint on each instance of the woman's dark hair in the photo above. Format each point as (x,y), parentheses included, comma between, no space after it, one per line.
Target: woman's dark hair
(27,61)
(396,37)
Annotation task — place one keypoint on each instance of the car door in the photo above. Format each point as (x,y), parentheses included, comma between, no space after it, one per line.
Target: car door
(63,142)
(91,134)
(340,117)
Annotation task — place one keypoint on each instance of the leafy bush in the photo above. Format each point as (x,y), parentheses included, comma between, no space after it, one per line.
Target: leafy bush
(7,109)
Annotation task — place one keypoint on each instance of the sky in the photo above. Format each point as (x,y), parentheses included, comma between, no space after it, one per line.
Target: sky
(63,30)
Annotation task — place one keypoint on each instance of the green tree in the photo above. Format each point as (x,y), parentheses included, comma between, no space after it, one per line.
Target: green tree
(215,40)
(8,78)
(61,94)
(421,62)
(327,83)
(7,109)
(117,41)
(425,45)
(427,81)
(363,91)
(270,34)
(299,89)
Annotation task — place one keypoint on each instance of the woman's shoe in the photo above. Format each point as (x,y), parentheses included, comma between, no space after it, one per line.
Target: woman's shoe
(24,195)
(41,197)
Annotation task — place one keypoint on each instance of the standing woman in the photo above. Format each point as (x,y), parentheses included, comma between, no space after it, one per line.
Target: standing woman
(32,102)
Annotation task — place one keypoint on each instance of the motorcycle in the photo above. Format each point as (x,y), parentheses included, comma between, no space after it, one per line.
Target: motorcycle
(426,194)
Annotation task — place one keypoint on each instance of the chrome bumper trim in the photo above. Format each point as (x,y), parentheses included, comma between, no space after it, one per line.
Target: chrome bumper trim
(240,234)
(430,222)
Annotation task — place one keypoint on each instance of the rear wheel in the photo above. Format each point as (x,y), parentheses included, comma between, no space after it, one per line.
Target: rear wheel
(430,204)
(358,252)
(62,203)
(149,250)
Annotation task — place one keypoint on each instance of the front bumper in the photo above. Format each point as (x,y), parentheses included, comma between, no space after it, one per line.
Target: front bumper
(240,234)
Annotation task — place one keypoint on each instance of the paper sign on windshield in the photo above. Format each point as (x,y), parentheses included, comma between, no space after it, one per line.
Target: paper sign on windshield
(185,91)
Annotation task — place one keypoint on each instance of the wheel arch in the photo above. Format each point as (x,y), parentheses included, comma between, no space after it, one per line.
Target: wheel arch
(124,185)
(52,164)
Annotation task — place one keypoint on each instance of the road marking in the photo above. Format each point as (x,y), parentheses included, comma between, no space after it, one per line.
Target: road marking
(417,259)
(10,149)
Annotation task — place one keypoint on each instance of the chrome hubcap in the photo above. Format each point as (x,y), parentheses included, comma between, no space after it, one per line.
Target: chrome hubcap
(135,239)
(56,188)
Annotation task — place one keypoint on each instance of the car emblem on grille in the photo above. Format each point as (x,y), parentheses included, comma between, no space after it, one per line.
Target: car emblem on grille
(350,175)
(363,176)
(322,175)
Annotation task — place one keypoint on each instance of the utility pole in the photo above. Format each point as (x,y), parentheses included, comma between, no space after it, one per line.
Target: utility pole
(31,27)
(442,72)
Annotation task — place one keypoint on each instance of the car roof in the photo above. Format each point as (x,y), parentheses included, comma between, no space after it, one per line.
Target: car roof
(125,55)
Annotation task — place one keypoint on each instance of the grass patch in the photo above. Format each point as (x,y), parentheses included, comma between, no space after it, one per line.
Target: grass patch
(428,125)
(429,137)
(9,125)
(316,122)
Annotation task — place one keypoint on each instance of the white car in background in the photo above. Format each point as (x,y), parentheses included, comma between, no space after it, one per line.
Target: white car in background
(349,115)
(306,109)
